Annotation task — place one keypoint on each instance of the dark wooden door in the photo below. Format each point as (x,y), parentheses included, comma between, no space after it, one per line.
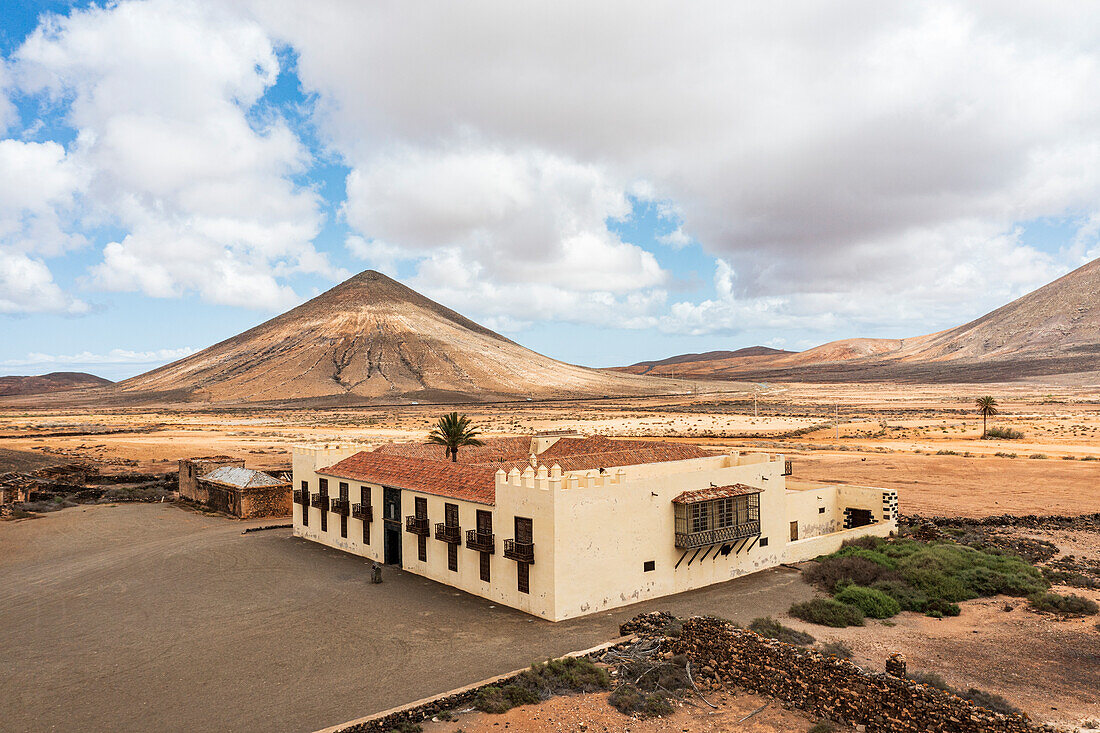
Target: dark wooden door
(391,504)
(392,544)
(484,522)
(524,532)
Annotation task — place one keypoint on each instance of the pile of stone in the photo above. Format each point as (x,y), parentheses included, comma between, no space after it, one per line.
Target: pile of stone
(830,687)
(1028,521)
(655,623)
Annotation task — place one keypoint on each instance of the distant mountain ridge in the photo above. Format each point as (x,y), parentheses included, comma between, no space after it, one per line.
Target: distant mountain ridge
(1049,332)
(372,338)
(52,382)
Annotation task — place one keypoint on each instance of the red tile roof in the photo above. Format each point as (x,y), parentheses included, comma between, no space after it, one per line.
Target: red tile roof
(715,492)
(424,467)
(495,450)
(442,478)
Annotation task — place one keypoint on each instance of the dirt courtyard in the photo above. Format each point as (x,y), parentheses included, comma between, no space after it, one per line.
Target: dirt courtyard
(143,617)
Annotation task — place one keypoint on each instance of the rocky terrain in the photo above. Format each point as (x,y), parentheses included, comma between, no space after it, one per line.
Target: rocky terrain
(52,382)
(1053,332)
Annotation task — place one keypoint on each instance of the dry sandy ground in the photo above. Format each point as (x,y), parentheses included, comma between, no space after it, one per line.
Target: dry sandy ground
(593,714)
(888,436)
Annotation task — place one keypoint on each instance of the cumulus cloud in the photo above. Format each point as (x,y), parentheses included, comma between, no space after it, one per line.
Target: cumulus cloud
(27,286)
(164,98)
(831,163)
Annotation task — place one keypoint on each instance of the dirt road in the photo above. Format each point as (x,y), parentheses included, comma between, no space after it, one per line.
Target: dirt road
(149,617)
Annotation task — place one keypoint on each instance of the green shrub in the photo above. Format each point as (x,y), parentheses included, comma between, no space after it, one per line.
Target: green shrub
(827,612)
(870,555)
(1071,604)
(1004,455)
(1038,456)
(772,629)
(938,608)
(873,603)
(491,700)
(829,572)
(908,597)
(629,700)
(1003,433)
(837,649)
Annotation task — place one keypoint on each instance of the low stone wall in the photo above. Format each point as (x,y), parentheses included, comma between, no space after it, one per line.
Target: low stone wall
(830,687)
(463,697)
(1029,521)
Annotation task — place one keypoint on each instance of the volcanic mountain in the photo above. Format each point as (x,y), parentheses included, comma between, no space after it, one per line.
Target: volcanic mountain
(1053,332)
(52,382)
(373,339)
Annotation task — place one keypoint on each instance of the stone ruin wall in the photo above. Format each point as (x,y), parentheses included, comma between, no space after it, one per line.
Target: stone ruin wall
(830,687)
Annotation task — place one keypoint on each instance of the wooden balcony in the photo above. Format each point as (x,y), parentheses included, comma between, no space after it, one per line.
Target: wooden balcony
(417,526)
(319,501)
(687,540)
(481,541)
(340,506)
(788,468)
(364,512)
(519,551)
(444,532)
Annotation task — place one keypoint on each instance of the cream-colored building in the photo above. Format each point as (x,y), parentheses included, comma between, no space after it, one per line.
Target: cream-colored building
(560,525)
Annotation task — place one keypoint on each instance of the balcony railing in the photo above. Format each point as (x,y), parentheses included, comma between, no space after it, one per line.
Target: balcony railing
(788,468)
(300,497)
(417,526)
(519,551)
(481,541)
(716,536)
(364,512)
(451,534)
(319,501)
(340,506)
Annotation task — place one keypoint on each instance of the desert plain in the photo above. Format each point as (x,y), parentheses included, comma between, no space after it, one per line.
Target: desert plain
(923,440)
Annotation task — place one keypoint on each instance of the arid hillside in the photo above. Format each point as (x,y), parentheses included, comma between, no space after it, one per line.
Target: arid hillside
(372,338)
(52,382)
(1051,332)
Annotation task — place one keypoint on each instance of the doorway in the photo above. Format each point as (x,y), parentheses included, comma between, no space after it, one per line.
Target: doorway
(391,525)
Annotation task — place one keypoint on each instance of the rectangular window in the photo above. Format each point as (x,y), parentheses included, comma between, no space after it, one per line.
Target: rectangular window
(699,517)
(452,556)
(323,483)
(421,507)
(484,522)
(450,515)
(794,531)
(725,512)
(523,576)
(524,532)
(764,542)
(821,510)
(649,566)
(344,513)
(422,548)
(305,503)
(485,566)
(364,499)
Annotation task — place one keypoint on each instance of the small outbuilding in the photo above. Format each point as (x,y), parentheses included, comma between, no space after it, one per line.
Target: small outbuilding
(246,492)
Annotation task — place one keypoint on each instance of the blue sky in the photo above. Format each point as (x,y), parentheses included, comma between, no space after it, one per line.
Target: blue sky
(178,171)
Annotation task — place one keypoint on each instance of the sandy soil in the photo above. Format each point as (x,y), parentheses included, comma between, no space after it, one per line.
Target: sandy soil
(592,713)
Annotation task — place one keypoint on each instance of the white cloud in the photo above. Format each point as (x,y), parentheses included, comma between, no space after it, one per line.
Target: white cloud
(163,96)
(114,356)
(520,217)
(876,167)
(27,286)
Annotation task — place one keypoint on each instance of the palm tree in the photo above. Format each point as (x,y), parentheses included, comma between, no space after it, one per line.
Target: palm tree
(987,406)
(454,431)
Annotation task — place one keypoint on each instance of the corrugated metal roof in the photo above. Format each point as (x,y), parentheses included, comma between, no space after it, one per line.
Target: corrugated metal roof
(245,478)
